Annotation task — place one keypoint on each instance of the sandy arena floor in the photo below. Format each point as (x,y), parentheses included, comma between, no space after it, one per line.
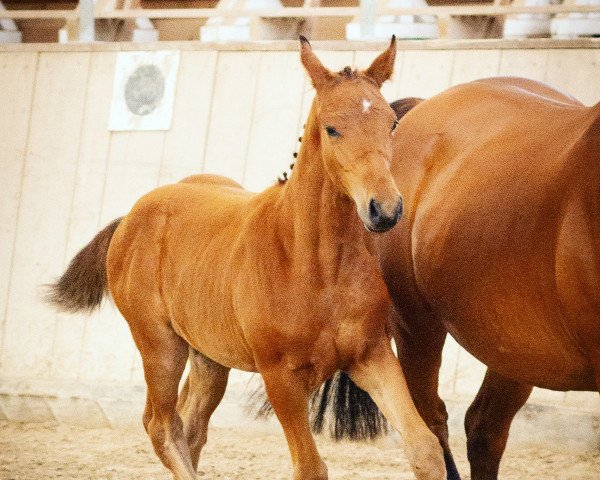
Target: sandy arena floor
(50,451)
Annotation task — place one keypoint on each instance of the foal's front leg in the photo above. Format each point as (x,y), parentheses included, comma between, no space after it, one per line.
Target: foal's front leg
(380,375)
(288,394)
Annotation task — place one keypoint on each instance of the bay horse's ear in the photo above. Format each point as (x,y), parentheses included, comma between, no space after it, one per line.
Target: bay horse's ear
(317,72)
(382,67)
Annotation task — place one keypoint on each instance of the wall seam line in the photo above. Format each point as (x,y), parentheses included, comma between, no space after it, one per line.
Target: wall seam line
(18,213)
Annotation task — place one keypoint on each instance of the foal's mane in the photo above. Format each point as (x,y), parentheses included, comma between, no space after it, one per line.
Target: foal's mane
(347,72)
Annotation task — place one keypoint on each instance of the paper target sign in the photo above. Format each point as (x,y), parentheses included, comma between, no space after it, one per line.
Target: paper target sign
(144,90)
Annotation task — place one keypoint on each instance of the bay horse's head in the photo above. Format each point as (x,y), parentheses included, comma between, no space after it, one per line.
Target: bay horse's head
(356,128)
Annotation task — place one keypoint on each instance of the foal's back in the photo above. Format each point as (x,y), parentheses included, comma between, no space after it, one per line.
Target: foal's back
(182,219)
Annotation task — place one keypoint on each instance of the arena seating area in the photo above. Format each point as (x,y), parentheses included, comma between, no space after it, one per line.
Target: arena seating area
(242,20)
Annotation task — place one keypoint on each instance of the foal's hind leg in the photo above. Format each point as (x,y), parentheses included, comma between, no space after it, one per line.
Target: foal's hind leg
(380,375)
(164,354)
(488,420)
(288,393)
(201,394)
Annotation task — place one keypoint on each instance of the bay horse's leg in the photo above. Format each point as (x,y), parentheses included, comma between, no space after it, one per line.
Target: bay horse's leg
(288,393)
(488,420)
(164,355)
(381,376)
(420,353)
(202,392)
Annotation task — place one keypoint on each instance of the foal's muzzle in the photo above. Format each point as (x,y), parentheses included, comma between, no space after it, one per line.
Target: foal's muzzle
(381,219)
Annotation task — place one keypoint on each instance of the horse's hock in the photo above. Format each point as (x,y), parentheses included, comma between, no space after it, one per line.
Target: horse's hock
(67,173)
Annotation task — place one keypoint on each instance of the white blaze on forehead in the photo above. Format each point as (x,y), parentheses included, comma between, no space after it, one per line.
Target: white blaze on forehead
(366,104)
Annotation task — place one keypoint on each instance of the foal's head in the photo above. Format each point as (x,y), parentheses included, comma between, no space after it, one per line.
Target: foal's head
(356,128)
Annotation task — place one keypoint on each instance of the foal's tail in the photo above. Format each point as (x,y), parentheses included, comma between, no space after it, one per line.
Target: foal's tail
(84,284)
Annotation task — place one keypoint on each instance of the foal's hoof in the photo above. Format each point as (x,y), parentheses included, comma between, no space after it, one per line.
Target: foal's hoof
(427,459)
(317,471)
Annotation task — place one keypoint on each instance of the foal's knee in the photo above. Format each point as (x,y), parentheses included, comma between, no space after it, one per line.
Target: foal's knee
(196,437)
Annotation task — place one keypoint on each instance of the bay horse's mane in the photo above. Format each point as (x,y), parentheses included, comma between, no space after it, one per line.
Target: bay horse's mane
(404,105)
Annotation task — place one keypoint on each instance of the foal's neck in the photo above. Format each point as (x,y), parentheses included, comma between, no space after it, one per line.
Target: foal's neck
(323,220)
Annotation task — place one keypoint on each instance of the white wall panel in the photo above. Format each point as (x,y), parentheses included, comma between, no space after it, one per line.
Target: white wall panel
(231,114)
(47,195)
(237,113)
(17,75)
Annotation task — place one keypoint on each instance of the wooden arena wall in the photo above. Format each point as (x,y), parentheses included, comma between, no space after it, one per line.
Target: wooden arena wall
(238,111)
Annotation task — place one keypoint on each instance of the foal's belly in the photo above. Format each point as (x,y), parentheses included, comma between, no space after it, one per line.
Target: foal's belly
(202,314)
(222,346)
(198,292)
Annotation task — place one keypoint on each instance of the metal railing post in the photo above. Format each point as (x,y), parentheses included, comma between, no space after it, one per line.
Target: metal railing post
(87,31)
(367,19)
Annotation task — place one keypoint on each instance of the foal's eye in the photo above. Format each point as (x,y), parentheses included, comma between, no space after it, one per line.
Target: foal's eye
(332,132)
(394,125)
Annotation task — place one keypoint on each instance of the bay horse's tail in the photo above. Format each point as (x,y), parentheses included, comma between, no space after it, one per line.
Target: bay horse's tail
(350,411)
(84,284)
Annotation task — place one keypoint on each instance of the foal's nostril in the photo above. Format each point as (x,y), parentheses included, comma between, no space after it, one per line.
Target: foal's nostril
(398,210)
(374,211)
(379,219)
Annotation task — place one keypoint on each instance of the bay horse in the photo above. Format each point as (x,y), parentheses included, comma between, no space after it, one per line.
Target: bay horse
(284,282)
(499,246)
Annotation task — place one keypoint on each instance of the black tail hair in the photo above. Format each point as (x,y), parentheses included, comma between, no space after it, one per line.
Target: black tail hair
(353,415)
(348,410)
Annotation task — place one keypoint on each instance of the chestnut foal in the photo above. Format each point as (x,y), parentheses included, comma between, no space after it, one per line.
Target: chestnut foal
(284,282)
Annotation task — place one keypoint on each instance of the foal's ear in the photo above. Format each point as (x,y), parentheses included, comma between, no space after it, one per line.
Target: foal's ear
(382,67)
(317,72)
